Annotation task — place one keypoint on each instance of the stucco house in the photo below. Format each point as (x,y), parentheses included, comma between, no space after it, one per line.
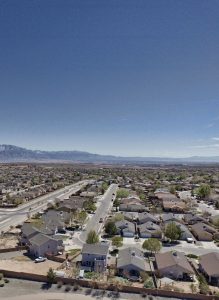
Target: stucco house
(145,217)
(209,266)
(41,244)
(204,232)
(95,257)
(131,262)
(149,229)
(125,228)
(173,265)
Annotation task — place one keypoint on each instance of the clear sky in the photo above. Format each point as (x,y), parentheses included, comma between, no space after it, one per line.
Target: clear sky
(127,77)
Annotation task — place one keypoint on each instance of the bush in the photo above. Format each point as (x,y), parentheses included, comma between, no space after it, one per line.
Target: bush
(59,284)
(192,256)
(2,283)
(117,241)
(67,288)
(76,287)
(149,284)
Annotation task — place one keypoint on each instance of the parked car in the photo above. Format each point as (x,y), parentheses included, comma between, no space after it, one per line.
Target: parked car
(39,259)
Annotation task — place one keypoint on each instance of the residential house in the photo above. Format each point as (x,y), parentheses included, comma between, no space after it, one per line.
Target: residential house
(145,217)
(173,265)
(174,206)
(133,207)
(192,219)
(95,257)
(204,232)
(131,200)
(27,232)
(74,203)
(209,266)
(130,216)
(149,230)
(125,228)
(56,220)
(166,217)
(131,262)
(41,244)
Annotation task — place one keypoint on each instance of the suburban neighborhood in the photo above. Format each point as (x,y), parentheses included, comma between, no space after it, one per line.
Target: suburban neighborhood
(149,228)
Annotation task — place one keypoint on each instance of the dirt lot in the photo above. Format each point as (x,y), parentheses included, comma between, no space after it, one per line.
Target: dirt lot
(25,264)
(8,241)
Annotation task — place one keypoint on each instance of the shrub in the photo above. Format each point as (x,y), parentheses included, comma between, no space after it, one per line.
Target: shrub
(59,284)
(67,288)
(192,256)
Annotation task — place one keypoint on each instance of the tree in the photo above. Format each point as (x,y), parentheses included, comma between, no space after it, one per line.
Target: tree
(153,245)
(117,241)
(173,231)
(82,216)
(89,205)
(173,190)
(104,187)
(122,193)
(116,203)
(51,276)
(203,285)
(92,237)
(193,288)
(118,217)
(204,191)
(110,228)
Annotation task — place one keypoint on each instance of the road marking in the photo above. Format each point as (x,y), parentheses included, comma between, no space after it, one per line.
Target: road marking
(5,221)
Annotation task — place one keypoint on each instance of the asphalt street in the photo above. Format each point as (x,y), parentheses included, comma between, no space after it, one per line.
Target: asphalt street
(101,212)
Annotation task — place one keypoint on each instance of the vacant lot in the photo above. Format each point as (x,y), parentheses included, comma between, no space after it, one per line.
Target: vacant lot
(25,264)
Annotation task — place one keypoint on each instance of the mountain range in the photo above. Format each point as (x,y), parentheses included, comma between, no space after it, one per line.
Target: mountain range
(11,153)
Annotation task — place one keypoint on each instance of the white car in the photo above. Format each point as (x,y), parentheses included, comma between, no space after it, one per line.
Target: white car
(39,259)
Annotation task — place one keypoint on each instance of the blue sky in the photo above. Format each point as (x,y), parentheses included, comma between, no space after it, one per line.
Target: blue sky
(119,77)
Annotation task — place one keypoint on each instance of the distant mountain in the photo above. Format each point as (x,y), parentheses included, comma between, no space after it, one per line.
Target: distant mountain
(10,153)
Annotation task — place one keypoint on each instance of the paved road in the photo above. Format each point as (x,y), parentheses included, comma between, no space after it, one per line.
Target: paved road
(13,217)
(101,212)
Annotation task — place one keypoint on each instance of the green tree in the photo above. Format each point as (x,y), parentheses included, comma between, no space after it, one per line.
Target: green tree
(116,203)
(118,217)
(173,231)
(204,191)
(82,216)
(51,276)
(203,285)
(104,187)
(172,189)
(92,237)
(153,245)
(117,241)
(89,205)
(122,193)
(110,228)
(193,288)
(142,196)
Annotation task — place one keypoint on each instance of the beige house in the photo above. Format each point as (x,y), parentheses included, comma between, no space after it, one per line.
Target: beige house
(173,265)
(209,266)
